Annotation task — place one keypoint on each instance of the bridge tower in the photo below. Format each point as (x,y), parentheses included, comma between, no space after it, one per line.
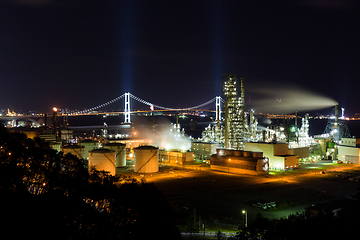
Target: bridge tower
(218,108)
(127,107)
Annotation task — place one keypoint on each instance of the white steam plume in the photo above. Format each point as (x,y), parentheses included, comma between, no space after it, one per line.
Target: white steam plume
(283,100)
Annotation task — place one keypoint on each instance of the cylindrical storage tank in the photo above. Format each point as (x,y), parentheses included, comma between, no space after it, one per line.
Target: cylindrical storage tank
(120,153)
(257,154)
(103,160)
(238,153)
(247,154)
(89,145)
(229,152)
(74,150)
(146,159)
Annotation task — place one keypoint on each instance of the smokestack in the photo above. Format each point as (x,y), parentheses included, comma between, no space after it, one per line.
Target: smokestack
(55,121)
(336,113)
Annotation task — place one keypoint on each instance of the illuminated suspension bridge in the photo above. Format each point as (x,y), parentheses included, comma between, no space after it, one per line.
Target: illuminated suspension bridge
(153,107)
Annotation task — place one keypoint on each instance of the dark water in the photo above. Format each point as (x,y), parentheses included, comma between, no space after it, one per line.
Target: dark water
(194,125)
(317,126)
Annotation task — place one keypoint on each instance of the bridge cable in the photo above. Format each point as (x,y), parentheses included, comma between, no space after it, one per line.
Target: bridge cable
(166,108)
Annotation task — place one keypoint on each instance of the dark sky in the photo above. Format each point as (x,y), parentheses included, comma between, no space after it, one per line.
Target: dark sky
(81,53)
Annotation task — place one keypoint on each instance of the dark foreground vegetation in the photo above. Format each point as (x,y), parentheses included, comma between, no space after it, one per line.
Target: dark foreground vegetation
(48,195)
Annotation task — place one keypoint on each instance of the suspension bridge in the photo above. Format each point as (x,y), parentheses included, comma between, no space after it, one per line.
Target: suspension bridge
(153,107)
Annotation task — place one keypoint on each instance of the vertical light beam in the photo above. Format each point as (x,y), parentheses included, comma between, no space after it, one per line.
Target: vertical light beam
(217,41)
(126,53)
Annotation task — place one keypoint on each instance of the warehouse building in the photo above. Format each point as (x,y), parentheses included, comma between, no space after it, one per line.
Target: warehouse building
(203,150)
(240,162)
(280,157)
(349,150)
(176,157)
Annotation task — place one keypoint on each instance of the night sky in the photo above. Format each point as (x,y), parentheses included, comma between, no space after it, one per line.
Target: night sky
(294,55)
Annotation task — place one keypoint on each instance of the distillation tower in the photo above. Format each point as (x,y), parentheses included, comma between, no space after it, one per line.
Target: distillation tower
(234,112)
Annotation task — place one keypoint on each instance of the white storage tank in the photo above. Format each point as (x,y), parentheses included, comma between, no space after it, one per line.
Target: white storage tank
(120,153)
(146,159)
(103,160)
(89,145)
(74,150)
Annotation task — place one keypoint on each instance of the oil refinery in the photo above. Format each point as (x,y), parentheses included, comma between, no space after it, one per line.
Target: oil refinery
(234,140)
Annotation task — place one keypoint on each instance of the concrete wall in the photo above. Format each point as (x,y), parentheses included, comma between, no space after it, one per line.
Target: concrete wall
(267,149)
(235,170)
(301,152)
(281,149)
(291,162)
(276,162)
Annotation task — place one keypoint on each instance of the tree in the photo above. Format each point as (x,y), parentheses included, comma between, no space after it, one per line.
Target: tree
(45,192)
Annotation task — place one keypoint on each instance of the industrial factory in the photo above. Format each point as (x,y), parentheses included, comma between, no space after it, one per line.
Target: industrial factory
(283,145)
(235,142)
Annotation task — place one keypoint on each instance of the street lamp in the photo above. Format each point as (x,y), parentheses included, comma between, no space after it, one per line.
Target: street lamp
(245,217)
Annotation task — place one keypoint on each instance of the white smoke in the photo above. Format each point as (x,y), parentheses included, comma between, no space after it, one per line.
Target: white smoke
(287,99)
(165,136)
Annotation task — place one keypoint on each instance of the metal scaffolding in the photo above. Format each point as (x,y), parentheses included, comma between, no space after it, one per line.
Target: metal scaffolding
(234,112)
(336,128)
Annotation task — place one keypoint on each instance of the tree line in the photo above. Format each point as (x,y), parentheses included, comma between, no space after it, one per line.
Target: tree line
(48,195)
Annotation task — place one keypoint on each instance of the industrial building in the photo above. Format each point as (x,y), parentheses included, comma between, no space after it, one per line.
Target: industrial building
(336,128)
(176,157)
(278,154)
(239,126)
(203,150)
(240,162)
(349,150)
